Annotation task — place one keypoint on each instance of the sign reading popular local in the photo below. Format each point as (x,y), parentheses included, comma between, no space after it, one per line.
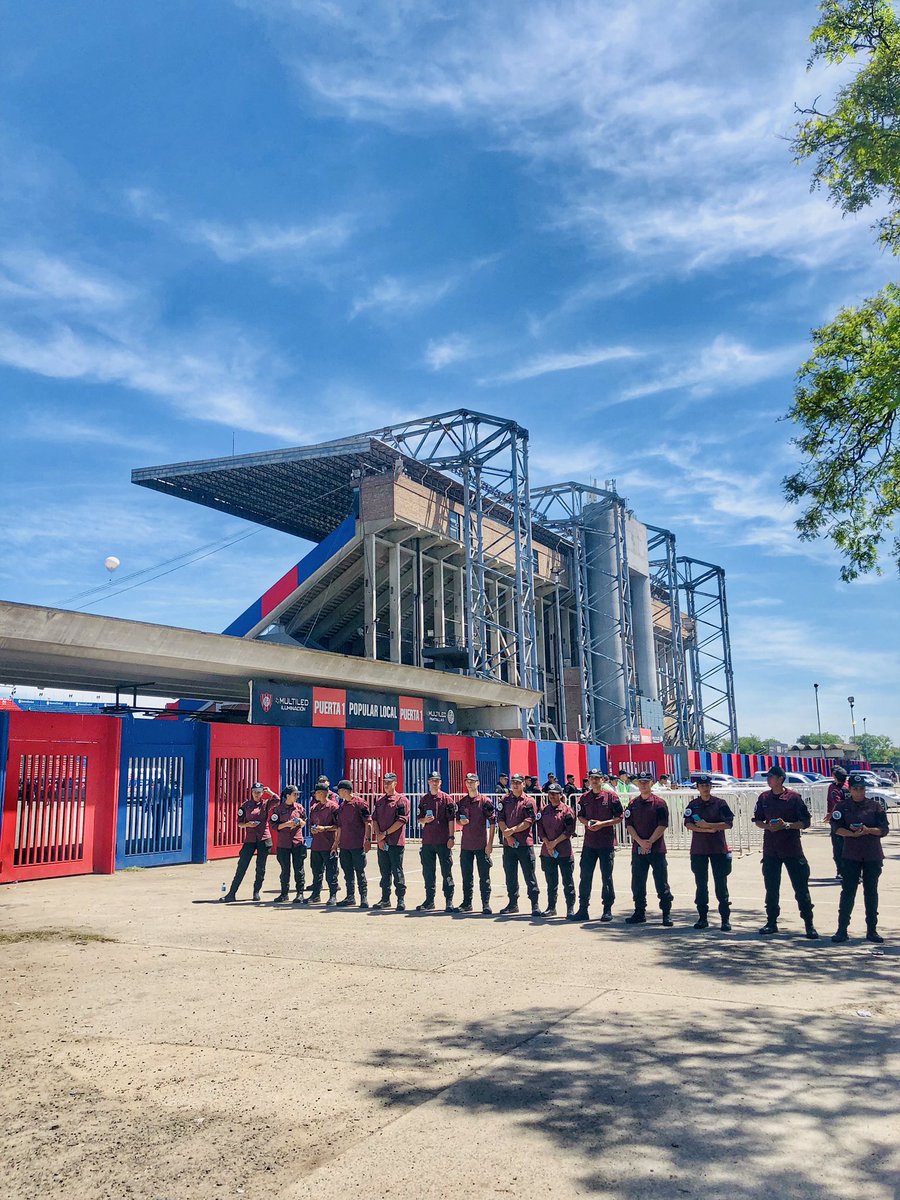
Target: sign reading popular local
(308,707)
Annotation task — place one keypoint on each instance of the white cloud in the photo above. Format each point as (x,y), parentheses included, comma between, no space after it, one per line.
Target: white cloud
(443,352)
(723,365)
(548,364)
(400,297)
(54,427)
(74,327)
(782,642)
(251,239)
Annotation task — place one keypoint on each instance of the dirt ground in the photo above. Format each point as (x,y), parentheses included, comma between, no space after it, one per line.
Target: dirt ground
(213,1051)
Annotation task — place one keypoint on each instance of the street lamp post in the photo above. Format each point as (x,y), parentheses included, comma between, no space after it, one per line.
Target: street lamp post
(818,717)
(851,700)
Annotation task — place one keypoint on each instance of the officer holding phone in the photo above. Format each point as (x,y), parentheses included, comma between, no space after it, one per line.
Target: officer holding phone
(437,816)
(324,857)
(557,823)
(646,820)
(708,818)
(860,823)
(476,818)
(287,819)
(516,818)
(600,811)
(782,814)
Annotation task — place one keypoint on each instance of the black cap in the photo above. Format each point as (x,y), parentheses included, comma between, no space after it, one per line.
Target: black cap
(857,780)
(644,776)
(703,778)
(517,778)
(471,777)
(321,787)
(390,777)
(258,787)
(555,789)
(434,775)
(595,774)
(345,785)
(775,770)
(323,779)
(840,774)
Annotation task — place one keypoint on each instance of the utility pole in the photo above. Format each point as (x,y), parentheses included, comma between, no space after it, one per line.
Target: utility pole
(851,700)
(818,717)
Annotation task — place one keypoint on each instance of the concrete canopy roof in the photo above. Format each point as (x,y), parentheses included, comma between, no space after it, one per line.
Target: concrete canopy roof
(51,647)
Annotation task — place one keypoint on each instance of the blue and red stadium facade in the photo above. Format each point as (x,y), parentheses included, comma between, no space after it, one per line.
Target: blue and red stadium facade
(94,794)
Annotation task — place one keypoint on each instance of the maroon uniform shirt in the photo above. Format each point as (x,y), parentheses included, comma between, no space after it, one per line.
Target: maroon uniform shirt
(389,810)
(835,798)
(869,813)
(476,814)
(514,812)
(716,811)
(600,806)
(441,806)
(323,812)
(286,835)
(554,822)
(644,816)
(352,818)
(256,810)
(789,806)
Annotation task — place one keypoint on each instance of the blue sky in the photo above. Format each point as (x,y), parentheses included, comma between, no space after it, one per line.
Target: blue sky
(285,220)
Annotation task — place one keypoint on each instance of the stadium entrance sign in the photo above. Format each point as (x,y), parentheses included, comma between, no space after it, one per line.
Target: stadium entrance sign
(307,707)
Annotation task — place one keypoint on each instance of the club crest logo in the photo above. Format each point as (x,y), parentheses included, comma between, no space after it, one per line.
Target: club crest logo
(836,815)
(265,700)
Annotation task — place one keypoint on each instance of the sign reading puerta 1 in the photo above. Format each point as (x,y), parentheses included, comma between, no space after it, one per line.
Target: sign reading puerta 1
(309,707)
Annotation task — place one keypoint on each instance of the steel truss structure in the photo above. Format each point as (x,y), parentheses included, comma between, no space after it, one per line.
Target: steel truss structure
(599,641)
(671,658)
(712,706)
(489,456)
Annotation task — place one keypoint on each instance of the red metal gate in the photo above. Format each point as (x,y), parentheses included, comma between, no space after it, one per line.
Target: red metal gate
(59,807)
(238,757)
(366,766)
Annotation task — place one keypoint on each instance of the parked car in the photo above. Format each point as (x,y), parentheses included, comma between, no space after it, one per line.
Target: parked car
(876,780)
(816,777)
(791,779)
(719,779)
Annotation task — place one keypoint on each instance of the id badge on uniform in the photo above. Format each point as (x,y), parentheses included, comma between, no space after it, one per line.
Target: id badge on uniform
(307,841)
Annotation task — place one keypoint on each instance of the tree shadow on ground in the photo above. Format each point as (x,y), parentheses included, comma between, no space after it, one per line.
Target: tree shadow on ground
(754,1106)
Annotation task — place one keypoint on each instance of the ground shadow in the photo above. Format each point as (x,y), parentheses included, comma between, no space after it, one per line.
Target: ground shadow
(697,1103)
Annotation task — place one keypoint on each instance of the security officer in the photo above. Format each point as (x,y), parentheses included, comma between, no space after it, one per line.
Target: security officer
(476,817)
(389,828)
(516,818)
(860,824)
(287,819)
(623,785)
(571,789)
(253,818)
(557,826)
(646,820)
(707,817)
(599,811)
(323,859)
(837,793)
(437,818)
(782,814)
(353,839)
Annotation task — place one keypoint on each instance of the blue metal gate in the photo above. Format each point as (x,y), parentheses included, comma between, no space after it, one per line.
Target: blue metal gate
(161,793)
(417,766)
(308,753)
(492,759)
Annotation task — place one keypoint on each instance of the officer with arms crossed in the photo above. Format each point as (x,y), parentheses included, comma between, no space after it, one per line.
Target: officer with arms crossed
(557,826)
(352,840)
(599,811)
(287,819)
(516,818)
(323,814)
(708,817)
(860,824)
(475,816)
(647,819)
(389,829)
(783,814)
(437,816)
(253,818)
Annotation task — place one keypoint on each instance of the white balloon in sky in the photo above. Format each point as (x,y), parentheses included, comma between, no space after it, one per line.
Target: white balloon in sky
(111,563)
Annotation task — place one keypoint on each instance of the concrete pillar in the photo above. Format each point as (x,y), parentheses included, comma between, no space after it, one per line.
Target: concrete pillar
(437,590)
(642,625)
(370,600)
(605,616)
(394,610)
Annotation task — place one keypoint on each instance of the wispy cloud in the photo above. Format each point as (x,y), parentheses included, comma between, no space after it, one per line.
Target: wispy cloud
(400,297)
(548,364)
(782,642)
(73,327)
(723,365)
(443,352)
(55,427)
(251,239)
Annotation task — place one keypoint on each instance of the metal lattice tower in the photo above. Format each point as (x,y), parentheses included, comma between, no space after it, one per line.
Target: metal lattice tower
(712,707)
(671,660)
(600,584)
(489,456)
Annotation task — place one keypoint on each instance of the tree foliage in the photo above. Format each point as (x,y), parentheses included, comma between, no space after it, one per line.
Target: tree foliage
(875,747)
(812,739)
(847,399)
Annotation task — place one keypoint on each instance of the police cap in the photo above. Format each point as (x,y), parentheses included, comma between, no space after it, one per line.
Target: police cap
(704,778)
(857,780)
(644,776)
